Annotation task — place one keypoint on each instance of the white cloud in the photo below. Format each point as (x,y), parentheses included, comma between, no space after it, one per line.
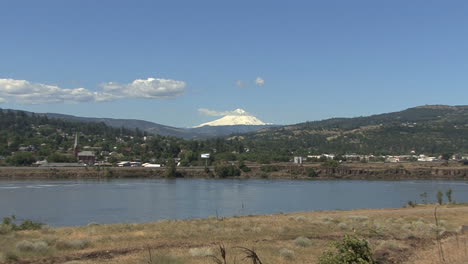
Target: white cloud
(26,92)
(240,84)
(149,88)
(208,112)
(259,81)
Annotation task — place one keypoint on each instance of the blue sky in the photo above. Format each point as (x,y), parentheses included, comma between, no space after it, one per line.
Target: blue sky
(284,61)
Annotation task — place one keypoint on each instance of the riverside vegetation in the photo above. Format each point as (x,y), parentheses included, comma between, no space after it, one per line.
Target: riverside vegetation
(405,235)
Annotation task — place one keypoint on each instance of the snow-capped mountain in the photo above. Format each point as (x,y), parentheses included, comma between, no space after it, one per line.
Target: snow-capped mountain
(202,131)
(236,118)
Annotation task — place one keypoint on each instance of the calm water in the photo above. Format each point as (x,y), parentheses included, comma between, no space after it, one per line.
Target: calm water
(70,202)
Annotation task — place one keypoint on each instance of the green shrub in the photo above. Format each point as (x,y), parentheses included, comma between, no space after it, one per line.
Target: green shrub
(244,167)
(57,157)
(163,259)
(330,164)
(171,170)
(21,159)
(440,197)
(287,254)
(108,173)
(9,220)
(72,244)
(5,229)
(37,246)
(201,252)
(350,250)
(30,225)
(8,224)
(311,172)
(227,171)
(302,242)
(10,256)
(269,168)
(449,195)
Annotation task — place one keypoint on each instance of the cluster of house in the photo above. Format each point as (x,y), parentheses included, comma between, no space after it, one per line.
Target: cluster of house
(386,158)
(137,164)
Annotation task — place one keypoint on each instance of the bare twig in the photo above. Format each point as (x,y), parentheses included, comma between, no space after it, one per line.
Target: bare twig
(439,243)
(223,260)
(150,257)
(250,254)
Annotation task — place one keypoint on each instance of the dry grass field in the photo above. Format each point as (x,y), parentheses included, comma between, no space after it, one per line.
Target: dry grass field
(405,235)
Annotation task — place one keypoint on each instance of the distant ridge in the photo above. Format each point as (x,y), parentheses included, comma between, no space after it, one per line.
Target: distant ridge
(423,129)
(155,128)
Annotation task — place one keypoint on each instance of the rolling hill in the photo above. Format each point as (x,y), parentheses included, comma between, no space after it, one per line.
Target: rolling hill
(424,129)
(154,128)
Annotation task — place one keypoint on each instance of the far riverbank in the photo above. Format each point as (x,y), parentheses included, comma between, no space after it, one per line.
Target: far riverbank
(362,171)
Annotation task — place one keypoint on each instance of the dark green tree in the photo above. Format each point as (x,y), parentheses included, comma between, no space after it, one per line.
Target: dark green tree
(440,197)
(449,193)
(171,170)
(21,159)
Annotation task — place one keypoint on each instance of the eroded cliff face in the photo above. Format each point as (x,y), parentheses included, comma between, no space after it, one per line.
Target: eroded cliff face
(348,171)
(394,173)
(372,172)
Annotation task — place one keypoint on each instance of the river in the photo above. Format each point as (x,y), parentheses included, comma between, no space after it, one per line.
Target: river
(79,202)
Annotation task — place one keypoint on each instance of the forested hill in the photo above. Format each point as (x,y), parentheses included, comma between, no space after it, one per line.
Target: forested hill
(18,128)
(431,129)
(26,137)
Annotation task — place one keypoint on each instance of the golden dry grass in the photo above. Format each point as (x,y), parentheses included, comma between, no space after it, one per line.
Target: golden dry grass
(397,234)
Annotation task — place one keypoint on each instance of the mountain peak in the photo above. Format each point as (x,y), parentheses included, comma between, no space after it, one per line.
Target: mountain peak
(240,111)
(234,118)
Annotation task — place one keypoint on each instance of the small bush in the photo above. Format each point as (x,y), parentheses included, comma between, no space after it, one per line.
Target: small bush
(311,172)
(300,218)
(47,230)
(287,254)
(269,168)
(5,229)
(30,225)
(163,259)
(440,197)
(37,246)
(343,226)
(25,245)
(72,244)
(244,167)
(330,164)
(302,242)
(10,256)
(350,250)
(358,218)
(391,245)
(227,171)
(9,223)
(201,252)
